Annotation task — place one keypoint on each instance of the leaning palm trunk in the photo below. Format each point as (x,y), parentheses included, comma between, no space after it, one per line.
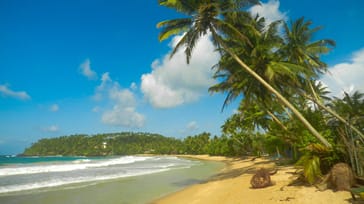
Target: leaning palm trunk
(352,148)
(275,119)
(353,151)
(279,96)
(317,102)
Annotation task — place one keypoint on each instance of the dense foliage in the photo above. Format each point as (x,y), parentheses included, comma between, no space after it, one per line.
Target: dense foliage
(127,143)
(105,144)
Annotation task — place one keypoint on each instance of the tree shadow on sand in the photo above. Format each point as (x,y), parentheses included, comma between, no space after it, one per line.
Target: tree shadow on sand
(250,169)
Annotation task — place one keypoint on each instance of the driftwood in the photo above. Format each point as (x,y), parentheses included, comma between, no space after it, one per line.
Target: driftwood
(261,178)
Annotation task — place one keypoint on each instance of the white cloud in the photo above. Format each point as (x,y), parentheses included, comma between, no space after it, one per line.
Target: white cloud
(105,78)
(172,82)
(54,108)
(192,126)
(347,76)
(123,116)
(5,91)
(270,11)
(86,70)
(52,128)
(133,86)
(123,112)
(100,90)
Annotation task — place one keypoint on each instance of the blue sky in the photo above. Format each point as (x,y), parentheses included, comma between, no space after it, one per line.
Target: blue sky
(95,66)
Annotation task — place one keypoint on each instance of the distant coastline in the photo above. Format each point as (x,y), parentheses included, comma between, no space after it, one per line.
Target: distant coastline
(132,143)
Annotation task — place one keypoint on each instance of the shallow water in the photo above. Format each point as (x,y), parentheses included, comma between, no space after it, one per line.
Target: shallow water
(140,181)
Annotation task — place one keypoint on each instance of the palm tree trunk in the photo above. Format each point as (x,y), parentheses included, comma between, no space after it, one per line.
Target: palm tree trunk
(274,118)
(279,96)
(314,93)
(349,148)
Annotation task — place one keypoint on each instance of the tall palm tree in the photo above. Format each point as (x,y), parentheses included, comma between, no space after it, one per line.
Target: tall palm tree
(208,16)
(260,55)
(351,107)
(301,50)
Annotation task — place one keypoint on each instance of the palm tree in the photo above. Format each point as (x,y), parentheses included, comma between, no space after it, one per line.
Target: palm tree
(207,16)
(351,107)
(300,50)
(317,99)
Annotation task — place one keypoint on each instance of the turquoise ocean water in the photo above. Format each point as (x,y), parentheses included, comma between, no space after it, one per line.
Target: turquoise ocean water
(124,179)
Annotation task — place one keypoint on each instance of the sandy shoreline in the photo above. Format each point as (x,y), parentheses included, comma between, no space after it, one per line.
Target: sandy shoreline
(232,185)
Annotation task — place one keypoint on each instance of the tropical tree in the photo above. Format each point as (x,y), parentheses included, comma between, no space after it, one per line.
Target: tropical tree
(242,127)
(301,50)
(351,107)
(208,17)
(197,144)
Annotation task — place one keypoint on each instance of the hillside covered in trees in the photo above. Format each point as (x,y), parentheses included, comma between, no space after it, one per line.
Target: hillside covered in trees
(126,143)
(104,144)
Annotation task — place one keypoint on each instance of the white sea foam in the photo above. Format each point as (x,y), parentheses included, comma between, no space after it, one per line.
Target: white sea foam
(70,166)
(73,180)
(79,161)
(40,175)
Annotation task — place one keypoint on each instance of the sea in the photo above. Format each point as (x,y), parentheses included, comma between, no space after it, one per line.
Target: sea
(115,179)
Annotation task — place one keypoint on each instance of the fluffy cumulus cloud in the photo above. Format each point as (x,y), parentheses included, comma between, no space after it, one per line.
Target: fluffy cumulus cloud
(5,91)
(123,111)
(86,70)
(270,11)
(173,82)
(347,76)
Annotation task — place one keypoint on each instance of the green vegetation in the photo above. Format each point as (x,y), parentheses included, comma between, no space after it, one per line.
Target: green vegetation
(127,143)
(275,69)
(105,144)
(242,38)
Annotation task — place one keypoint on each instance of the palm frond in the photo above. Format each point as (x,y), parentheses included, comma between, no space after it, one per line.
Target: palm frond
(183,6)
(188,40)
(173,27)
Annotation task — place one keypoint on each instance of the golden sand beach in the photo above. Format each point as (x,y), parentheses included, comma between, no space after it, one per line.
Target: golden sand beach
(232,185)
